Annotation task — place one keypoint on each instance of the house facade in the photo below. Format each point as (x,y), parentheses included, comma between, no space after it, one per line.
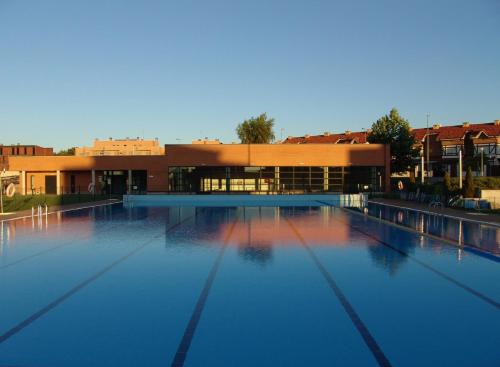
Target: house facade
(473,141)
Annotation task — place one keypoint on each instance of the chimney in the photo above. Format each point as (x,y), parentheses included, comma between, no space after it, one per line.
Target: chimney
(466,124)
(497,122)
(326,133)
(348,132)
(307,136)
(436,126)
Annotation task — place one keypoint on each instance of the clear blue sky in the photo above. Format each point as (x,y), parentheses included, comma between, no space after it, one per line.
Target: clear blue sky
(71,71)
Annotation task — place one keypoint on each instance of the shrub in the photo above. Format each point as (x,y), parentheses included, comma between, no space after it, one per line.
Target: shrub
(447,183)
(469,187)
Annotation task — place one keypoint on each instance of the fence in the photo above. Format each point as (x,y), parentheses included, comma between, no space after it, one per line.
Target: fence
(38,197)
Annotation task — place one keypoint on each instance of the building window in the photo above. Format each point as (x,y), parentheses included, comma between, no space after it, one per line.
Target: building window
(298,179)
(451,150)
(487,149)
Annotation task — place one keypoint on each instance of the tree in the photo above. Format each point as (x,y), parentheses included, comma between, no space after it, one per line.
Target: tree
(395,130)
(70,151)
(256,130)
(447,183)
(469,188)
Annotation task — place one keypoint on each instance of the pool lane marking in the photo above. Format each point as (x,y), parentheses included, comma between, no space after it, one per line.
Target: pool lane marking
(183,348)
(426,266)
(104,230)
(351,312)
(28,321)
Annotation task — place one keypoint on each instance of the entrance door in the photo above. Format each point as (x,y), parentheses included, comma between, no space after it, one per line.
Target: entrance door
(50,185)
(118,185)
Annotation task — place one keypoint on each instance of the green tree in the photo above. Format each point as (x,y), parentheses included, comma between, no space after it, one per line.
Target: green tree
(69,151)
(395,130)
(256,130)
(447,183)
(469,187)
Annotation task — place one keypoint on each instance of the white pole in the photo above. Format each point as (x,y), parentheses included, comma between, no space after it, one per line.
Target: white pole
(460,168)
(422,164)
(1,193)
(482,164)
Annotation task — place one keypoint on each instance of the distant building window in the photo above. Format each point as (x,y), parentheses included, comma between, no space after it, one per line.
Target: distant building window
(487,149)
(451,150)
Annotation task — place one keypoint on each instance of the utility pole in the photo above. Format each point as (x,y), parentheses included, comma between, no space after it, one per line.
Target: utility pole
(427,145)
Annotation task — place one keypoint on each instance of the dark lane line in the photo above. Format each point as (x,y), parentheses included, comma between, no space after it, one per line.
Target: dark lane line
(57,247)
(183,348)
(423,264)
(370,341)
(28,321)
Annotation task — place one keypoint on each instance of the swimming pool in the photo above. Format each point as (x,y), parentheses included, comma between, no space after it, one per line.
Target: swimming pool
(308,285)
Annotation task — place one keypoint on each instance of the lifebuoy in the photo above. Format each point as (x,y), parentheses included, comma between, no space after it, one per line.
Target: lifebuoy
(400,185)
(91,187)
(10,190)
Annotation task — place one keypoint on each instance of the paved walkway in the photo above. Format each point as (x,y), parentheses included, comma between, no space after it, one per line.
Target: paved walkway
(460,213)
(56,208)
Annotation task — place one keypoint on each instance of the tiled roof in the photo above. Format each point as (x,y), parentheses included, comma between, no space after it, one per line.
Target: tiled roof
(443,132)
(459,131)
(345,138)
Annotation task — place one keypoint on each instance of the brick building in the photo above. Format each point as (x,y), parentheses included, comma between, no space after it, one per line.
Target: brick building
(126,146)
(212,168)
(24,150)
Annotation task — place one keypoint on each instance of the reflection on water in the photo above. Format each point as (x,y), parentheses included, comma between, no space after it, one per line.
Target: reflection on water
(474,234)
(258,231)
(385,257)
(259,254)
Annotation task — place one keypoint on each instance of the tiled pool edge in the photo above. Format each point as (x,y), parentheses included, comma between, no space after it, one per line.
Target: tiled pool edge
(244,200)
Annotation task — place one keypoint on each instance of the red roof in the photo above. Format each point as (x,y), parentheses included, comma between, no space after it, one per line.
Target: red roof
(345,138)
(444,132)
(458,131)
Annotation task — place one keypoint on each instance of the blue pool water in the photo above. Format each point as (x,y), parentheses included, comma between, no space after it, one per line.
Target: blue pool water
(474,235)
(309,285)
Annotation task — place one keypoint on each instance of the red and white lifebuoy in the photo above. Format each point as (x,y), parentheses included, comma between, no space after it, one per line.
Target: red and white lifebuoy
(400,185)
(91,187)
(10,190)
